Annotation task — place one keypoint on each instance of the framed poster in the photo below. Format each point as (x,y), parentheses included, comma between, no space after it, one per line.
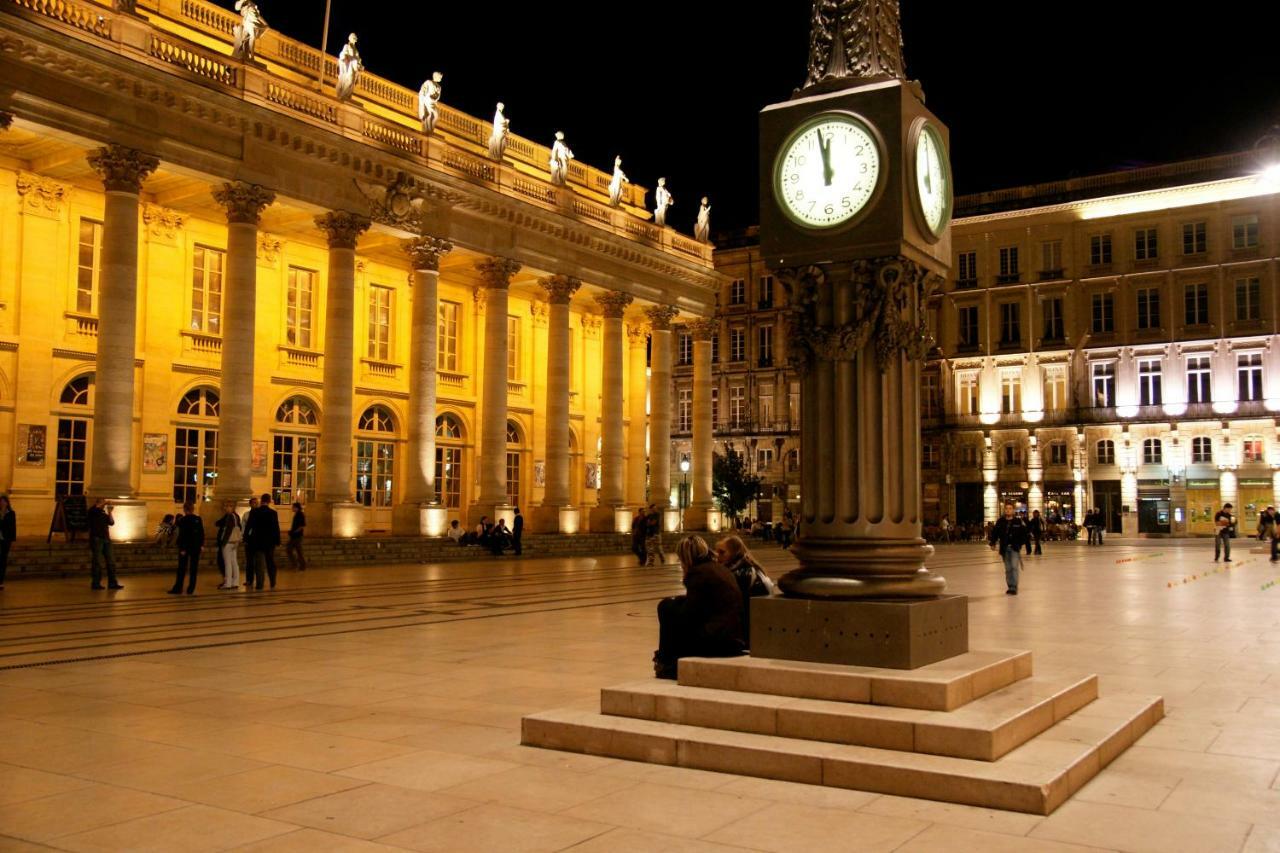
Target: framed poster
(258,458)
(155,452)
(31,445)
(593,475)
(539,474)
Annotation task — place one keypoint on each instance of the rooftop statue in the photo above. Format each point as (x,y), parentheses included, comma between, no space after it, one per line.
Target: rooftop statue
(702,228)
(618,183)
(349,68)
(560,157)
(429,102)
(662,200)
(498,138)
(251,27)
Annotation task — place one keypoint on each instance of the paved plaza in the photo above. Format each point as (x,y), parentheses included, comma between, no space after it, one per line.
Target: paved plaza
(380,708)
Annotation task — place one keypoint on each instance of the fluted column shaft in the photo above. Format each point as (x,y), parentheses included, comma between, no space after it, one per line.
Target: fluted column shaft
(122,170)
(660,318)
(702,330)
(496,275)
(420,470)
(243,204)
(560,290)
(612,434)
(637,433)
(333,480)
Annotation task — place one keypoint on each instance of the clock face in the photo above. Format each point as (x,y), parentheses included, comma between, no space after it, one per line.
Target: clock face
(933,180)
(827,171)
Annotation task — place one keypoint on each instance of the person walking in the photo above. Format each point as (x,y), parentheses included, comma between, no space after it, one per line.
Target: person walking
(653,553)
(517,533)
(100,523)
(1007,537)
(1035,527)
(8,532)
(263,532)
(230,534)
(1266,524)
(297,529)
(1222,539)
(639,525)
(190,541)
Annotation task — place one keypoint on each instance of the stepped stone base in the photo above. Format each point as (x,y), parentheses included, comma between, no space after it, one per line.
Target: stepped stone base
(979,729)
(901,633)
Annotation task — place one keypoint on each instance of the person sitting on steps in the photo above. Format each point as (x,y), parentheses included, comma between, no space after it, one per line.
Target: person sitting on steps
(707,620)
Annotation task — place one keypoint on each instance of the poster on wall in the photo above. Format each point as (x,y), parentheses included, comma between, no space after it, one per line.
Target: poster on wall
(155,452)
(539,474)
(31,445)
(258,458)
(593,475)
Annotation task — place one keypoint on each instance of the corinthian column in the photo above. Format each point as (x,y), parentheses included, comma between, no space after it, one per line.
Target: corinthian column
(495,274)
(660,317)
(243,204)
(337,514)
(612,450)
(637,434)
(556,512)
(701,514)
(122,171)
(419,514)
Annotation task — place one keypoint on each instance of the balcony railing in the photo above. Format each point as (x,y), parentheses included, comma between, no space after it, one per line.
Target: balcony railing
(1052,275)
(1008,278)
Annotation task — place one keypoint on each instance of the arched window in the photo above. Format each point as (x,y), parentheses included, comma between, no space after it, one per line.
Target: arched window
(298,410)
(376,465)
(447,426)
(199,402)
(72,452)
(1105,452)
(293,454)
(377,419)
(513,433)
(1152,451)
(449,472)
(76,392)
(195,448)
(513,464)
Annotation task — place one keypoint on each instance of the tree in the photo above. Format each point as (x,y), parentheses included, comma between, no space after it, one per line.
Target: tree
(733,486)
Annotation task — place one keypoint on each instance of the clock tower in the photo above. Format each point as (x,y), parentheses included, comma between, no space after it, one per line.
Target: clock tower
(855,209)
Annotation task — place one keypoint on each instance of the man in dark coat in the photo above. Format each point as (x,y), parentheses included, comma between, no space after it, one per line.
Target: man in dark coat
(100,523)
(190,542)
(1008,536)
(517,532)
(1035,526)
(262,531)
(707,620)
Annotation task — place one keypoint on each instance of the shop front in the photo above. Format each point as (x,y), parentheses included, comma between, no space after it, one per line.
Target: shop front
(1013,493)
(1154,508)
(1252,497)
(1203,501)
(1059,501)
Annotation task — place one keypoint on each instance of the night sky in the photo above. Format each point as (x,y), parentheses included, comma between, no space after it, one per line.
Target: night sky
(1031,91)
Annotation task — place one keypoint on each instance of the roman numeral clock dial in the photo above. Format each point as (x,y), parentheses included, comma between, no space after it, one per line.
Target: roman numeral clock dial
(827,171)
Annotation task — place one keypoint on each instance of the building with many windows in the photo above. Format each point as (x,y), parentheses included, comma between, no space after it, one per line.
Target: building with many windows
(219,278)
(1111,342)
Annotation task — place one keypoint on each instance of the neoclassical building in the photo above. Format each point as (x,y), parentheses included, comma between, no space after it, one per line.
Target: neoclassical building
(219,278)
(1112,342)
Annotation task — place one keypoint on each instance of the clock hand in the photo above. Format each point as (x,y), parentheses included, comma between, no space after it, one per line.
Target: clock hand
(928,176)
(825,148)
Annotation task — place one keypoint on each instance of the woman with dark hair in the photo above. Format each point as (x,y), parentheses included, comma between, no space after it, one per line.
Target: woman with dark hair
(732,553)
(707,620)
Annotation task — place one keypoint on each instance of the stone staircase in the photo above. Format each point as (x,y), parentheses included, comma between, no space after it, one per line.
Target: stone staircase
(978,729)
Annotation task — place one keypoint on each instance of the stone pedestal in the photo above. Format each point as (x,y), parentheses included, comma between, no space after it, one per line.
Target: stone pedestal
(131,520)
(555,519)
(895,633)
(705,519)
(611,519)
(337,519)
(671,520)
(420,520)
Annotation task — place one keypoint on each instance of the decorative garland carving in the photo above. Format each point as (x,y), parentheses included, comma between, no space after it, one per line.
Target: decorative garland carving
(269,246)
(162,222)
(854,38)
(39,194)
(637,334)
(540,311)
(591,326)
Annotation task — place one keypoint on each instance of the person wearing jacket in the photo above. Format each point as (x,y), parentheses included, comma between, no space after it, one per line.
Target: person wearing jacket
(753,581)
(230,532)
(1008,537)
(262,532)
(297,530)
(8,532)
(100,523)
(190,541)
(707,620)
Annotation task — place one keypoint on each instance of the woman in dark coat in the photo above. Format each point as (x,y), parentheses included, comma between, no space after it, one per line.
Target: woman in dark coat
(707,620)
(731,552)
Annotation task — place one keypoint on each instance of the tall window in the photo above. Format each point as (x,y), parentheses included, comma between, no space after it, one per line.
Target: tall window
(764,459)
(1149,382)
(969,456)
(793,404)
(1011,392)
(1252,449)
(299,305)
(1198,379)
(376,458)
(766,291)
(1010,324)
(715,405)
(1104,319)
(88,266)
(206,290)
(1149,308)
(513,349)
(737,345)
(513,464)
(1055,389)
(1195,238)
(1249,376)
(684,410)
(967,324)
(1100,249)
(764,402)
(1145,244)
(967,392)
(715,346)
(1105,452)
(737,406)
(195,447)
(1196,303)
(380,315)
(1248,298)
(1008,263)
(1051,258)
(930,396)
(929,455)
(1201,449)
(1012,454)
(967,269)
(1058,453)
(293,452)
(764,349)
(685,349)
(1152,451)
(1053,321)
(447,336)
(1244,231)
(1104,384)
(449,461)
(72,451)
(738,292)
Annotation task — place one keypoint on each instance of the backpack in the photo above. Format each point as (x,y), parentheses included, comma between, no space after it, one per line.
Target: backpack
(234,537)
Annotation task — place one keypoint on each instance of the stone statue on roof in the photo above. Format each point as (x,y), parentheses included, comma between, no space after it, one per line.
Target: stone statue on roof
(429,102)
(246,33)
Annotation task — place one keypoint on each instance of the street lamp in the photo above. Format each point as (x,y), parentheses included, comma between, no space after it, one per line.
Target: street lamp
(684,488)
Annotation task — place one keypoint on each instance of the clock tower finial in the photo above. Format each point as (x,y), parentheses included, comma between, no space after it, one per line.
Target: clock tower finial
(853,40)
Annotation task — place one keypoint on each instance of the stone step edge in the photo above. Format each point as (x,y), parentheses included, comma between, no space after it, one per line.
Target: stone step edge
(1008,786)
(856,724)
(856,684)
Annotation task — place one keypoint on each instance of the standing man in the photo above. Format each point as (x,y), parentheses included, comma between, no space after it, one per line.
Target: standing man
(248,543)
(638,526)
(1036,528)
(1267,523)
(517,532)
(297,529)
(1007,537)
(1222,539)
(190,541)
(100,523)
(263,531)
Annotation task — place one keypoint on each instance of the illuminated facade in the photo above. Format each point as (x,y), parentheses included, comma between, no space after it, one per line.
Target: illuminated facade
(1111,342)
(219,279)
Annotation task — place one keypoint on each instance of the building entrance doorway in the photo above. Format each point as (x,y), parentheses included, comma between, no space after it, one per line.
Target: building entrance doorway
(1106,497)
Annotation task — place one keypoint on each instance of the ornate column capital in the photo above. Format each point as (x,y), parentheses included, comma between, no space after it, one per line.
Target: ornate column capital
(497,272)
(122,169)
(560,288)
(342,228)
(39,194)
(591,326)
(6,119)
(243,202)
(426,252)
(613,303)
(660,317)
(540,311)
(638,333)
(703,329)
